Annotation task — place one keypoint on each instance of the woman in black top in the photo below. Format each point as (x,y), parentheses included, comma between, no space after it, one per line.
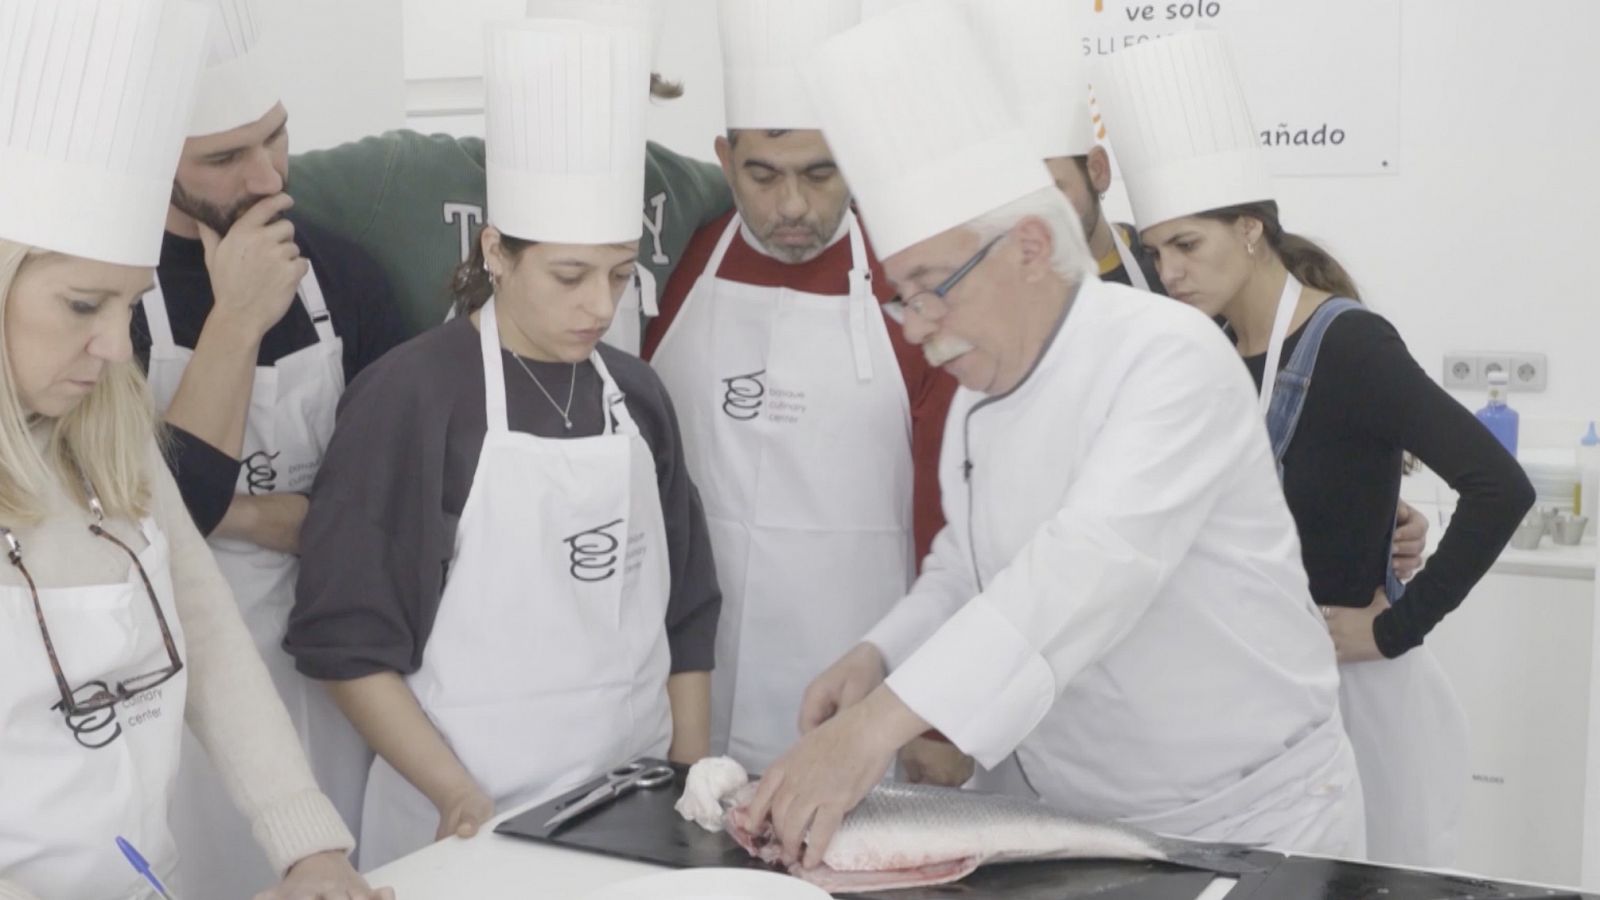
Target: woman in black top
(1346,402)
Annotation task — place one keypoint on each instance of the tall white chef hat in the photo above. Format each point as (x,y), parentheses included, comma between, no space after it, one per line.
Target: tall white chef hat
(642,14)
(915,115)
(565,138)
(240,83)
(94,102)
(1176,113)
(763,44)
(1034,44)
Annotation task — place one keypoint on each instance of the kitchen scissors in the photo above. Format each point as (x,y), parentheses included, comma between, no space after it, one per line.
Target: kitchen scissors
(618,781)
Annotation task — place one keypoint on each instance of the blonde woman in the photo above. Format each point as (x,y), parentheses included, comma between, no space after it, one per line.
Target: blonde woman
(115,625)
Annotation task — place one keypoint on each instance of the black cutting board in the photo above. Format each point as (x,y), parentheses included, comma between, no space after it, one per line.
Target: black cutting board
(642,826)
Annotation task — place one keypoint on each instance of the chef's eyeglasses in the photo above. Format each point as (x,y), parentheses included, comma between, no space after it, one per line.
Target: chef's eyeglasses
(104,697)
(931,303)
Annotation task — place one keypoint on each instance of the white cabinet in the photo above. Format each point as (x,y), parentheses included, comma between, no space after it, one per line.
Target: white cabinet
(1521,653)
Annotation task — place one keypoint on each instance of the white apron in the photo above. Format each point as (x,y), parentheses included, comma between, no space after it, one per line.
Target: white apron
(1130,263)
(1404,720)
(548,659)
(1410,736)
(797,430)
(290,420)
(63,804)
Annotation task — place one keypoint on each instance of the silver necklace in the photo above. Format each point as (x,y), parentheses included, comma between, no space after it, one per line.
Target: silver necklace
(566,417)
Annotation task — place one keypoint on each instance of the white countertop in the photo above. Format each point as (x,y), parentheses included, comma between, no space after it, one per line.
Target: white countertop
(1551,560)
(490,866)
(495,867)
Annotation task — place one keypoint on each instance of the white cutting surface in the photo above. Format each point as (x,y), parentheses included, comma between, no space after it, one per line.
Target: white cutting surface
(495,867)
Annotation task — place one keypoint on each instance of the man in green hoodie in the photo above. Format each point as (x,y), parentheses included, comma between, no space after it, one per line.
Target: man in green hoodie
(415,202)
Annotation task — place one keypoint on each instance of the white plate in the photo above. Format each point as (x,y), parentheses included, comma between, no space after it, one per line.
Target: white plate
(713,884)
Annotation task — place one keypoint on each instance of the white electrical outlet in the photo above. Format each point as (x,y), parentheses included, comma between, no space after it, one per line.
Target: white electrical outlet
(1529,372)
(1496,362)
(1462,371)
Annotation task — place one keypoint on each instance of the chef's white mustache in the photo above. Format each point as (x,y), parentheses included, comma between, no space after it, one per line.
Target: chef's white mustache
(943,349)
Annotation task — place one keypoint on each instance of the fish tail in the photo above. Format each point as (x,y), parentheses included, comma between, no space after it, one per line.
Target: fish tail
(1224,859)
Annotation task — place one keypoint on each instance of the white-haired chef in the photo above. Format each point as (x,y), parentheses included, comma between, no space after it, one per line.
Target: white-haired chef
(1118,596)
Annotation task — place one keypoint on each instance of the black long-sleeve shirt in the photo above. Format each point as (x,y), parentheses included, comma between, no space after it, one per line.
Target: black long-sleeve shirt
(361,308)
(1369,402)
(382,526)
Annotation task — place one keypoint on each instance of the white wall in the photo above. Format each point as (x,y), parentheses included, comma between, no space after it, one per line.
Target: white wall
(1481,241)
(343,72)
(1478,243)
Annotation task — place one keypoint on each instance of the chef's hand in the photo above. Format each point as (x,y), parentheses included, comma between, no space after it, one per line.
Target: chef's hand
(928,761)
(810,789)
(1351,629)
(463,812)
(256,267)
(1410,540)
(842,685)
(325,876)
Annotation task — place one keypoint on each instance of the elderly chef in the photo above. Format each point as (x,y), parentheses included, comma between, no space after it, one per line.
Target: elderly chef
(1118,596)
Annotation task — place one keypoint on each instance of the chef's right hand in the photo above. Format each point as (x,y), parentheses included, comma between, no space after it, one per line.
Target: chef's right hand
(842,685)
(463,812)
(256,267)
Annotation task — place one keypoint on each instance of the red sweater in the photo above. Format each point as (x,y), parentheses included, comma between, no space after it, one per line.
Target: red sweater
(929,389)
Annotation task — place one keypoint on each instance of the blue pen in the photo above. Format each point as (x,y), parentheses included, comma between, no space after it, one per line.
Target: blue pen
(142,867)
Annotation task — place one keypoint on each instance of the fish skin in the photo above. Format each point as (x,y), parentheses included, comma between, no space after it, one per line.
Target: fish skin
(906,835)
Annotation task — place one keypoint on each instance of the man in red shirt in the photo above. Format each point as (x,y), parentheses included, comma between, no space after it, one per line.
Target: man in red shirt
(811,428)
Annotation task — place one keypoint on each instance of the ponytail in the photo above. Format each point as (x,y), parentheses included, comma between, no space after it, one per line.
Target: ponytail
(1313,265)
(470,284)
(1305,260)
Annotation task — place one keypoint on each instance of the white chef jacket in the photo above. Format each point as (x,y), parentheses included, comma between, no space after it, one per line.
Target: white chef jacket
(1118,595)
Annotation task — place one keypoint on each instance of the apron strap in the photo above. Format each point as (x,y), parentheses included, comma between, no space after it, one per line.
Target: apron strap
(155,315)
(316,305)
(494,372)
(644,281)
(1287,302)
(612,406)
(311,297)
(862,301)
(1294,381)
(723,243)
(1129,263)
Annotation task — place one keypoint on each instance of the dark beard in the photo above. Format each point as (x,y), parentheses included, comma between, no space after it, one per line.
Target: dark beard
(215,217)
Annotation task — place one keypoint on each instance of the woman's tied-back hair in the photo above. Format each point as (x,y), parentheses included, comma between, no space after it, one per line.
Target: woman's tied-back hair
(1304,259)
(470,284)
(107,438)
